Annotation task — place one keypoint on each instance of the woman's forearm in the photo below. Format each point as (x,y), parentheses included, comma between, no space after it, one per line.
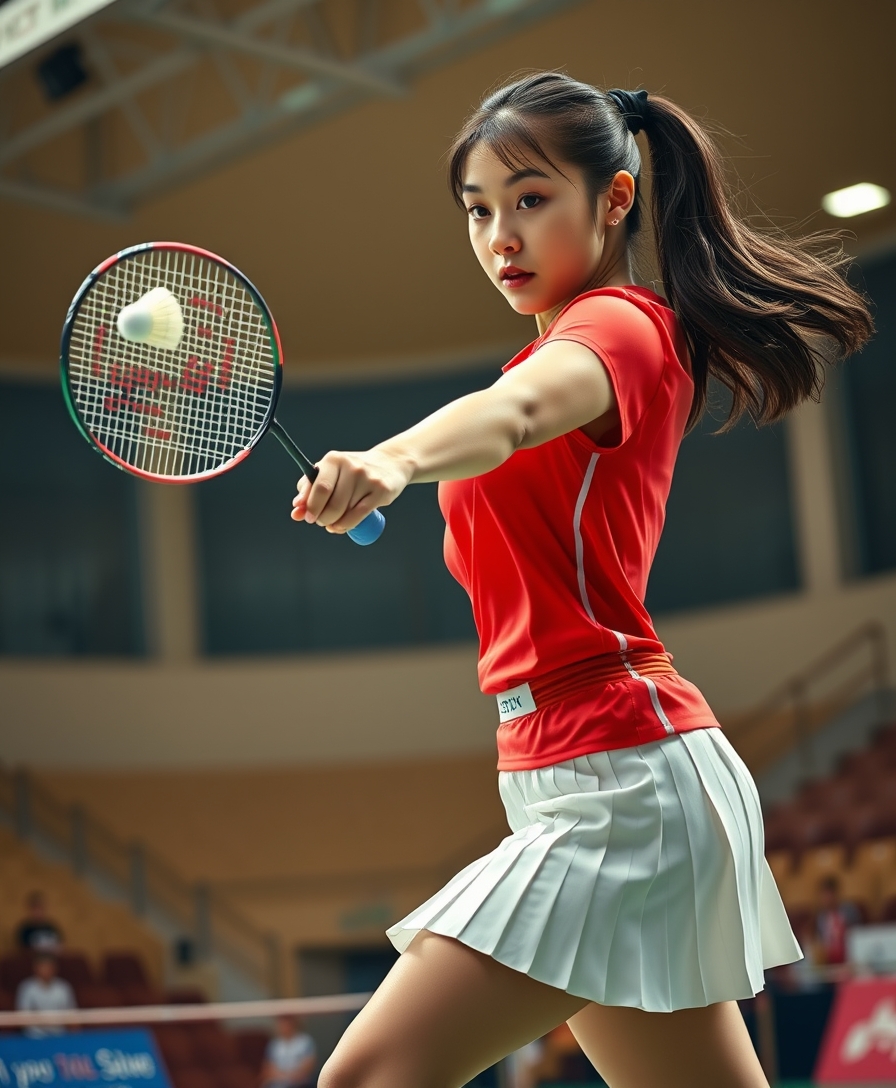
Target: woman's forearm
(467,437)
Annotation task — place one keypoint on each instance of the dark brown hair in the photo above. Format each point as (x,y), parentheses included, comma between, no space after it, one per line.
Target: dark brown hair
(761,311)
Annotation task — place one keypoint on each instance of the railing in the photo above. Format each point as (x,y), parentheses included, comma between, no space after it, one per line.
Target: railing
(796,710)
(143,878)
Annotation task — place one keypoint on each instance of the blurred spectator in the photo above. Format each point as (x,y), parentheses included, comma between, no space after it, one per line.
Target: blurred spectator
(37,931)
(44,992)
(524,1065)
(290,1058)
(832,920)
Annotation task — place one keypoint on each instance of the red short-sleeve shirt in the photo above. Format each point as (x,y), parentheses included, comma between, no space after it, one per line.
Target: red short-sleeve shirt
(555,545)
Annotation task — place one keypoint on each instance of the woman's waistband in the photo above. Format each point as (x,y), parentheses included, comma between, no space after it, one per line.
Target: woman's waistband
(569,680)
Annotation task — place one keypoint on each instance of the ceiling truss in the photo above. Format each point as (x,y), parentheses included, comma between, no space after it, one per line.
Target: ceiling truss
(269,68)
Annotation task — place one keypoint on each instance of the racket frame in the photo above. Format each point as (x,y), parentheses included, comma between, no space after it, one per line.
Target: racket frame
(268,317)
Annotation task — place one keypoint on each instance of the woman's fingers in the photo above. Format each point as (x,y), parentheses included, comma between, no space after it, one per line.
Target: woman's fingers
(347,487)
(341,482)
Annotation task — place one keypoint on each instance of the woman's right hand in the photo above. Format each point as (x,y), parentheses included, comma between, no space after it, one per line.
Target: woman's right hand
(349,486)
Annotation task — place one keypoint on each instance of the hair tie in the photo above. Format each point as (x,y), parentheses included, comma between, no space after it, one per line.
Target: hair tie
(633,107)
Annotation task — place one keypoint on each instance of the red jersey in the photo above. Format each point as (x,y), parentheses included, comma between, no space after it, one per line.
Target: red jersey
(555,545)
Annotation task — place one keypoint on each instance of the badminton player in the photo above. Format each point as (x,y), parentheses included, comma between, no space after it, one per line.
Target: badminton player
(632,899)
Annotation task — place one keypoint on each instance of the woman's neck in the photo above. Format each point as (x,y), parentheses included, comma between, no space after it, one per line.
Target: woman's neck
(619,275)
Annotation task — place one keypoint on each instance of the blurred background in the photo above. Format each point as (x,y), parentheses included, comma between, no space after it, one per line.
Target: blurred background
(234,749)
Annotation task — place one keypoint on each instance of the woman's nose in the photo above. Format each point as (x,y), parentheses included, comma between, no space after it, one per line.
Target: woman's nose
(504,240)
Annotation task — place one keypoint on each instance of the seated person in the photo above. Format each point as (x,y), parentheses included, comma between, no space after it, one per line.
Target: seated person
(36,931)
(524,1065)
(832,920)
(291,1057)
(44,992)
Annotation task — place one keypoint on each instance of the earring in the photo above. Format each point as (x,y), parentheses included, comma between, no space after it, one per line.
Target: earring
(614,222)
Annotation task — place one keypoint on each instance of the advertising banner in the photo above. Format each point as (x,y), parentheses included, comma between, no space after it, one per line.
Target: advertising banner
(88,1059)
(26,24)
(859,1044)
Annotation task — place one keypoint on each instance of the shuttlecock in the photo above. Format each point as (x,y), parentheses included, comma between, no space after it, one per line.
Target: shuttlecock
(155,319)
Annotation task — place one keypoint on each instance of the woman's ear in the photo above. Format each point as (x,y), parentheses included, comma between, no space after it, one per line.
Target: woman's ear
(619,196)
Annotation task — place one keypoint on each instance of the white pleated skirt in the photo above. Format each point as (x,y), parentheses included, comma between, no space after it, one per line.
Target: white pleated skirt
(633,877)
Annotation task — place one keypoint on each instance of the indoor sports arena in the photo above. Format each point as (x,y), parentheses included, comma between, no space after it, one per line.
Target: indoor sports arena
(655,476)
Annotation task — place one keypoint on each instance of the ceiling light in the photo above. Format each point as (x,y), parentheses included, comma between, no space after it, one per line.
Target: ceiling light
(855,199)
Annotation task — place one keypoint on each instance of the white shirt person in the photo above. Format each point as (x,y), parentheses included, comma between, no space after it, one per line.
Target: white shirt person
(44,991)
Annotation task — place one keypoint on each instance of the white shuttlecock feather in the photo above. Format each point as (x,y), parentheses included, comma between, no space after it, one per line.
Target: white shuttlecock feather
(155,319)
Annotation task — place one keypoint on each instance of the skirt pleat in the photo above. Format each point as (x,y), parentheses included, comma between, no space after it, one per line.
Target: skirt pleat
(632,877)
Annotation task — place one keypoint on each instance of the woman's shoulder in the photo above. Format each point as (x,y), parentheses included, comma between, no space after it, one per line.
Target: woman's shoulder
(632,322)
(629,306)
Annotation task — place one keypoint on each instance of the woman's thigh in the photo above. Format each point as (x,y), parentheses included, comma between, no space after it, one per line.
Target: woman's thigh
(444,1013)
(691,1048)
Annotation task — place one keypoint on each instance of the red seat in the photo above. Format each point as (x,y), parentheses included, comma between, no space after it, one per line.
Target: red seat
(192,1076)
(213,1046)
(75,969)
(94,995)
(175,1044)
(869,820)
(14,969)
(124,969)
(140,994)
(861,764)
(837,794)
(252,1045)
(237,1076)
(185,995)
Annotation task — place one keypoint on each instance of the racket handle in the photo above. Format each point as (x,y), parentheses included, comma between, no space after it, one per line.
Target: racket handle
(370,529)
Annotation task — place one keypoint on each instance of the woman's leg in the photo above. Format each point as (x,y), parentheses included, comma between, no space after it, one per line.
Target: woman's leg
(444,1013)
(690,1048)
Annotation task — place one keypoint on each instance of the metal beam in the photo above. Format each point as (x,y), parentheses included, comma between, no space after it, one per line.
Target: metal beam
(91,105)
(335,87)
(58,201)
(288,56)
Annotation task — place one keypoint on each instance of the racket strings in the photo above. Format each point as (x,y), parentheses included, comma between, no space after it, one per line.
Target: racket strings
(180,413)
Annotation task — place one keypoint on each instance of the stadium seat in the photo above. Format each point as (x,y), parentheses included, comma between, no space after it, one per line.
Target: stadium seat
(860,764)
(237,1076)
(185,995)
(252,1044)
(75,968)
(94,995)
(123,969)
(212,1046)
(815,828)
(140,995)
(835,794)
(14,969)
(192,1076)
(176,1045)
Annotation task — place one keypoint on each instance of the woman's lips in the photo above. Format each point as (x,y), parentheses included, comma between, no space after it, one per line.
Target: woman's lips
(516,279)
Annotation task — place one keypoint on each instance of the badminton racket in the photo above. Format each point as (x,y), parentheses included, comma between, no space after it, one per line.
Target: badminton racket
(172,367)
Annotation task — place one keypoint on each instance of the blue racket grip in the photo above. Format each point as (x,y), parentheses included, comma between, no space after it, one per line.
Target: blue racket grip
(370,529)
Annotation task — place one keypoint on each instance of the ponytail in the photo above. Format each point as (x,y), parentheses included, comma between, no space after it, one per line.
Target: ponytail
(761,311)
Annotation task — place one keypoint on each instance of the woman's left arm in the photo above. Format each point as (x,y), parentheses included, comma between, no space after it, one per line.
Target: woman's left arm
(559,388)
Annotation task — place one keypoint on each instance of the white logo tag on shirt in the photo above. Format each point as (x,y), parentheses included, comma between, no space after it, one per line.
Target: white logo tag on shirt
(515,702)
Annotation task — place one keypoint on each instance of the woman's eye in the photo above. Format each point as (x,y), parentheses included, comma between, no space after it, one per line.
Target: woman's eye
(477,212)
(530,200)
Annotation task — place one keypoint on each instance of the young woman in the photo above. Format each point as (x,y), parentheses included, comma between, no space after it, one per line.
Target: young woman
(633,899)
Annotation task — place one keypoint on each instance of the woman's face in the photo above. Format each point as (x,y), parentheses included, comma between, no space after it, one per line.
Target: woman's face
(535,231)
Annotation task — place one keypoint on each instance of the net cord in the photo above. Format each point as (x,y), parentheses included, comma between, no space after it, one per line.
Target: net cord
(167,1014)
